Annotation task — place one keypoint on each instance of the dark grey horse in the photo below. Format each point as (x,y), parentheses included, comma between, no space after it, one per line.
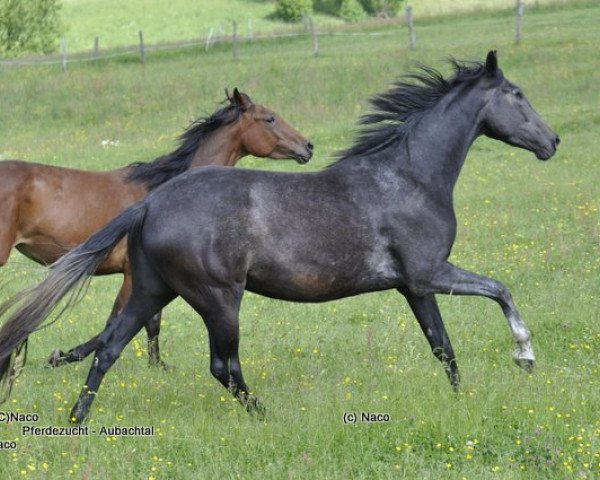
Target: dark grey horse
(381,217)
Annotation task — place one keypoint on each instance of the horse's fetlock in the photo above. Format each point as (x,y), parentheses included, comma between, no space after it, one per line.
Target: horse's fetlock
(218,369)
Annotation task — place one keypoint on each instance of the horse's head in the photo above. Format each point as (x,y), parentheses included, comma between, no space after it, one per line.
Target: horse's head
(508,116)
(265,134)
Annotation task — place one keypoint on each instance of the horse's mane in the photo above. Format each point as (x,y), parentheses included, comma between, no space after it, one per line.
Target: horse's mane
(409,99)
(163,168)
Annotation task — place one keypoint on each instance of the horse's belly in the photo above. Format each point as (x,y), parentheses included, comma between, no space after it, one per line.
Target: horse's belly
(318,285)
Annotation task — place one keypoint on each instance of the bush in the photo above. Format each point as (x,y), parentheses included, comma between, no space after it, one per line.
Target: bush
(352,11)
(388,8)
(292,10)
(332,7)
(31,26)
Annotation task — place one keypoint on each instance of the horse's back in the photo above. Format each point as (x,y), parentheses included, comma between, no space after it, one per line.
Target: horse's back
(278,232)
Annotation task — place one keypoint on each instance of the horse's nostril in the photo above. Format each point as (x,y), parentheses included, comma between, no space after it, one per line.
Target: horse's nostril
(557,141)
(310,146)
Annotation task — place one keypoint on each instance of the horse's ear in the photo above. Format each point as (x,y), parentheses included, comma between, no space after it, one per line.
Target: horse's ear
(241,100)
(491,63)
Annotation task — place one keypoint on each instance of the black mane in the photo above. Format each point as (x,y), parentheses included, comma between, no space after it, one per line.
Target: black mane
(163,168)
(396,110)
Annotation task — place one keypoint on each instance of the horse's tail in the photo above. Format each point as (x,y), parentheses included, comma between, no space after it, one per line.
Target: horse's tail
(69,272)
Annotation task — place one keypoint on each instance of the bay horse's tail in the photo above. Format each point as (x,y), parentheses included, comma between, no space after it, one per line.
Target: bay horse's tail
(68,274)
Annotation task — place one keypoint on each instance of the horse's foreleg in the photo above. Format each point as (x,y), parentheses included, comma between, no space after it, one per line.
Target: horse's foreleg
(455,281)
(8,226)
(426,311)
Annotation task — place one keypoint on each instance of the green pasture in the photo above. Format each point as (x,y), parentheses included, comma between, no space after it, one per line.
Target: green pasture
(533,225)
(117,23)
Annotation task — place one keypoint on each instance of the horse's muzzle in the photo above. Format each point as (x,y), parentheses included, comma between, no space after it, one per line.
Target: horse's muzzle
(545,153)
(304,157)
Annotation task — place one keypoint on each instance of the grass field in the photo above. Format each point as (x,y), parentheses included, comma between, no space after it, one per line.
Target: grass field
(117,23)
(533,225)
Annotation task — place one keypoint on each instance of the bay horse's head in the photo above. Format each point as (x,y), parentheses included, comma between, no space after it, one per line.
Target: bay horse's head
(265,134)
(508,116)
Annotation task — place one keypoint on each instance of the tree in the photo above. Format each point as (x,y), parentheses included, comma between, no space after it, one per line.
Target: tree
(31,26)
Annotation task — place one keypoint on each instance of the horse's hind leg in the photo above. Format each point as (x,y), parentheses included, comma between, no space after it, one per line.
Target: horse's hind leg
(80,352)
(116,336)
(455,281)
(153,330)
(220,313)
(152,325)
(428,315)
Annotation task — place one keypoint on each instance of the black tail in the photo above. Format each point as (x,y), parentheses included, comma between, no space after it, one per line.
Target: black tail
(66,274)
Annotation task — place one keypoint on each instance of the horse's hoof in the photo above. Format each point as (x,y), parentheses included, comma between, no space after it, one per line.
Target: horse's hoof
(162,365)
(57,359)
(525,363)
(255,407)
(76,417)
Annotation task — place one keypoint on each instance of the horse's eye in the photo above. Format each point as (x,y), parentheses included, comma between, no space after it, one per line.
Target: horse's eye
(517,93)
(270,120)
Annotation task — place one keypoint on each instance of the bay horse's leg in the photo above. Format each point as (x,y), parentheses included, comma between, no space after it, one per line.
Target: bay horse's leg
(220,313)
(80,352)
(427,312)
(153,330)
(456,281)
(8,224)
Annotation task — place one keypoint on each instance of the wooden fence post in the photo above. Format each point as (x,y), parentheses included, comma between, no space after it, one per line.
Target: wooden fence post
(519,22)
(412,37)
(142,49)
(63,51)
(96,53)
(315,37)
(235,41)
(209,39)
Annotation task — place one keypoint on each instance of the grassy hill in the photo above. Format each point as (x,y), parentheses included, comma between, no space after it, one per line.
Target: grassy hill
(533,225)
(117,23)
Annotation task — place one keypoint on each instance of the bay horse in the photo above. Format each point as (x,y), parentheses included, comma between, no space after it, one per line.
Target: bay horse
(47,210)
(379,218)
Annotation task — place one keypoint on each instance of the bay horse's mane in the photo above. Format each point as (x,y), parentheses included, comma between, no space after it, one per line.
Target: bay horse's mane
(165,167)
(409,99)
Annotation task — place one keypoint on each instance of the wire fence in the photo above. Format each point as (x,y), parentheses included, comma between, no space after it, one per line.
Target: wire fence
(216,36)
(206,43)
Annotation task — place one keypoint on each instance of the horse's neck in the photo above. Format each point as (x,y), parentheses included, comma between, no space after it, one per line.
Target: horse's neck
(438,145)
(222,147)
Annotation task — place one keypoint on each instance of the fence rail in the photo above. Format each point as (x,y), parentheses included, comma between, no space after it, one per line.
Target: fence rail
(214,36)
